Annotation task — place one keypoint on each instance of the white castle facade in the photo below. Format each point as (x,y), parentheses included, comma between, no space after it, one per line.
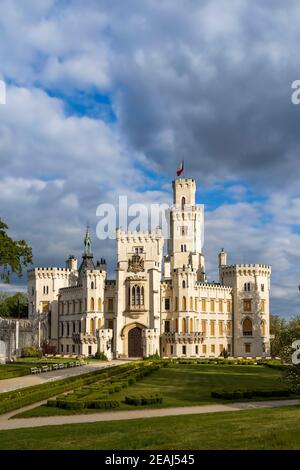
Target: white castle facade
(157,304)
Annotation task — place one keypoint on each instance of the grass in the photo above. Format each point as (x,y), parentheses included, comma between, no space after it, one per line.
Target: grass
(260,429)
(23,365)
(186,385)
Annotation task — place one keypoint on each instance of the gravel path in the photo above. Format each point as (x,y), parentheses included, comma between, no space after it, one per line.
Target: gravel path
(6,424)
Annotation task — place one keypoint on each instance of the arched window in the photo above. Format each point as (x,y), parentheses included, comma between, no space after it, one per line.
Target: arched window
(191,303)
(92,326)
(182,203)
(183,325)
(99,304)
(247,327)
(183,303)
(129,295)
(138,295)
(92,285)
(92,304)
(196,304)
(183,284)
(176,325)
(142,296)
(74,306)
(99,324)
(191,325)
(133,296)
(263,328)
(176,304)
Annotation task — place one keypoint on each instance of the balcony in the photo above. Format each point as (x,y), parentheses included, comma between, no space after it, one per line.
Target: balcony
(192,338)
(84,338)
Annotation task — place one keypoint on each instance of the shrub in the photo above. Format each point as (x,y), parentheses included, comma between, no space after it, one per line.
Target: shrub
(237,394)
(140,400)
(31,351)
(100,356)
(102,404)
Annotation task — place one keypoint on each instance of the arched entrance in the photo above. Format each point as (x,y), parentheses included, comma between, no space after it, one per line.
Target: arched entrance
(135,347)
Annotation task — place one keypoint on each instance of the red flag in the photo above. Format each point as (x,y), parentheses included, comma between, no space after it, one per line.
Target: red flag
(180,169)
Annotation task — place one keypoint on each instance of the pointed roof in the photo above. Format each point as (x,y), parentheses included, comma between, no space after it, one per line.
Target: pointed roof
(87,257)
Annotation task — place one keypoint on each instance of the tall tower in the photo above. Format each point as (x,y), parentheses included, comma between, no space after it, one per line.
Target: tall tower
(186,225)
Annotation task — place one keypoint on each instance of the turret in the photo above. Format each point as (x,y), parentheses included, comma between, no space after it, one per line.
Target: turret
(71,263)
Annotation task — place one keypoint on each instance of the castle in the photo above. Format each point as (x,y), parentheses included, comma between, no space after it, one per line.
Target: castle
(157,304)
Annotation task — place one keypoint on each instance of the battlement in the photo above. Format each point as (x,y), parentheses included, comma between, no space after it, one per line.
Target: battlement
(142,235)
(213,285)
(246,269)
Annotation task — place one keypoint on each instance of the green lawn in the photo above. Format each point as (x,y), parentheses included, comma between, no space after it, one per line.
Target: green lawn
(277,428)
(187,385)
(23,365)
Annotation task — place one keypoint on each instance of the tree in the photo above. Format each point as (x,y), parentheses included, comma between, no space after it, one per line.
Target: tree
(14,254)
(277,326)
(14,306)
(289,335)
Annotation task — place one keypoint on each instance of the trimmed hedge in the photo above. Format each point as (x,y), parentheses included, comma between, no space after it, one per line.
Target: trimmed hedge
(237,394)
(140,400)
(18,398)
(80,405)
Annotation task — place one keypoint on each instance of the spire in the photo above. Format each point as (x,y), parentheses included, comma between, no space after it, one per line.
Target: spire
(88,243)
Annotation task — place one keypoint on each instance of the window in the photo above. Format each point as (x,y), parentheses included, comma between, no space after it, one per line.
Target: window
(183,231)
(263,328)
(247,286)
(67,348)
(92,326)
(263,348)
(172,350)
(247,305)
(196,304)
(79,326)
(176,325)
(73,348)
(247,327)
(221,332)
(220,306)
(184,303)
(212,348)
(183,349)
(229,348)
(228,306)
(167,326)
(99,324)
(92,285)
(183,284)
(90,350)
(203,326)
(228,328)
(110,305)
(99,304)
(221,348)
(191,324)
(74,327)
(176,304)
(62,348)
(204,348)
(247,347)
(167,304)
(92,304)
(142,295)
(182,203)
(133,296)
(212,328)
(138,250)
(262,287)
(191,303)
(138,295)
(183,325)
(212,306)
(196,349)
(203,305)
(68,329)
(262,306)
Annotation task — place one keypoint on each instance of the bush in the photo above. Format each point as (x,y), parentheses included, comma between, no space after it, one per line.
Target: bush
(100,356)
(238,394)
(102,404)
(141,400)
(31,352)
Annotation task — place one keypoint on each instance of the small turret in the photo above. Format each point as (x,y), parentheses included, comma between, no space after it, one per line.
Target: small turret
(222,258)
(71,263)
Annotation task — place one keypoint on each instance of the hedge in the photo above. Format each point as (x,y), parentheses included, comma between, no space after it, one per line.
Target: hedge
(18,398)
(237,394)
(80,405)
(140,400)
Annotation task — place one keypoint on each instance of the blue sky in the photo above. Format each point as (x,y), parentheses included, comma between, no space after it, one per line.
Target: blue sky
(106,98)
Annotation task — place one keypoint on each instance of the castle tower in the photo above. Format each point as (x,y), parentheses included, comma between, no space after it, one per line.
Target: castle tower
(186,228)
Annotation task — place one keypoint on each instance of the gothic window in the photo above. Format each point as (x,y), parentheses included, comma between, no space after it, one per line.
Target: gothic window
(183,284)
(99,324)
(247,347)
(138,296)
(92,326)
(212,328)
(92,304)
(263,328)
(110,304)
(191,303)
(203,305)
(183,203)
(74,306)
(183,303)
(142,295)
(74,327)
(196,304)
(129,295)
(212,306)
(247,327)
(167,304)
(176,304)
(262,287)
(133,296)
(183,325)
(68,329)
(99,304)
(220,306)
(167,326)
(191,324)
(247,305)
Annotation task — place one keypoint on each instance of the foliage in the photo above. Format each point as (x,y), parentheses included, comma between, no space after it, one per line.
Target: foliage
(142,400)
(14,254)
(48,348)
(14,306)
(31,351)
(100,356)
(277,327)
(238,394)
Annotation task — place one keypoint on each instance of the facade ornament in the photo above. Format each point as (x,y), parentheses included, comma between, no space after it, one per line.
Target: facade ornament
(135,264)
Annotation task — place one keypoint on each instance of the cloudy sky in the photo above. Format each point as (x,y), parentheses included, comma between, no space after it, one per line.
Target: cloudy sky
(106,98)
